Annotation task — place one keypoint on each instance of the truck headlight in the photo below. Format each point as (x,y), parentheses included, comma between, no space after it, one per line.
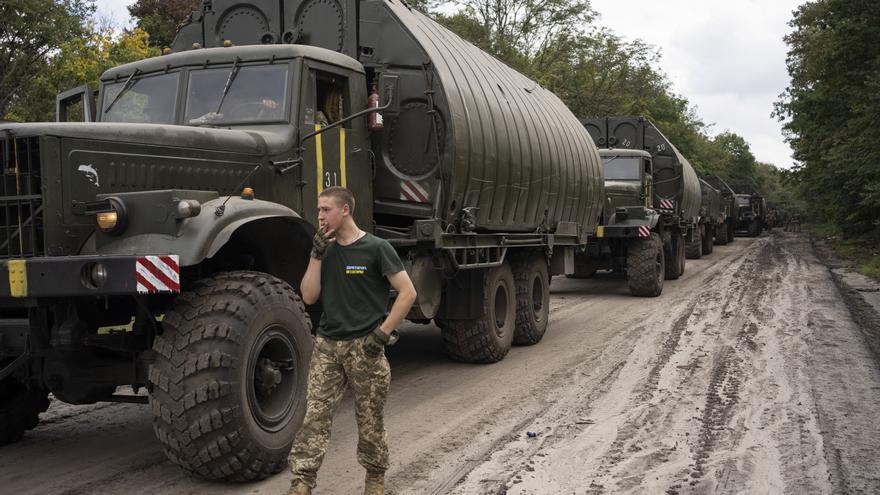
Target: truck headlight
(188,208)
(112,220)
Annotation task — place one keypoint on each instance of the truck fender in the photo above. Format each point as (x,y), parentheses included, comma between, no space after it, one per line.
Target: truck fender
(203,236)
(652,218)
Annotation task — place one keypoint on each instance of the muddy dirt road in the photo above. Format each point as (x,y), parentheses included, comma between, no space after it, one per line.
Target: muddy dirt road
(748,375)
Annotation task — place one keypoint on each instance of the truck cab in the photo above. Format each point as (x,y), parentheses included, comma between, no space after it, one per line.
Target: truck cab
(628,181)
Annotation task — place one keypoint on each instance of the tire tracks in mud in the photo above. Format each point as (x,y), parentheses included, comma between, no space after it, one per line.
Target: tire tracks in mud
(725,377)
(645,410)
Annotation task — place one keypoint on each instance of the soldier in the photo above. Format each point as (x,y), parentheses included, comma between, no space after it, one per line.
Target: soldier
(352,272)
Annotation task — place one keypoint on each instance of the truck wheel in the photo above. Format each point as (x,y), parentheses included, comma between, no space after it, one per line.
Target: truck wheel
(721,234)
(730,232)
(674,254)
(708,240)
(229,381)
(20,408)
(694,248)
(532,300)
(754,228)
(486,339)
(645,266)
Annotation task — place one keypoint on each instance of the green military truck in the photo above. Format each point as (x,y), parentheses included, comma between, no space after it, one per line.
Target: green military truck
(652,202)
(729,209)
(627,239)
(713,218)
(751,210)
(161,244)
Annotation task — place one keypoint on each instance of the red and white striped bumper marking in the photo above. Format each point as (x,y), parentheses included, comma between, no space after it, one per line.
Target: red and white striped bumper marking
(644,231)
(411,190)
(667,204)
(158,274)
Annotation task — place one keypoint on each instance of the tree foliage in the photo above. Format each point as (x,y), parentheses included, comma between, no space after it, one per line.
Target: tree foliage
(831,109)
(78,61)
(30,32)
(161,18)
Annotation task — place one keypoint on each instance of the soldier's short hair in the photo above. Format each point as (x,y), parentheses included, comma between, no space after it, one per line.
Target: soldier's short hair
(342,195)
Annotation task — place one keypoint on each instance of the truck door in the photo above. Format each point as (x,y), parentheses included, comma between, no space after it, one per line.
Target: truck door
(337,157)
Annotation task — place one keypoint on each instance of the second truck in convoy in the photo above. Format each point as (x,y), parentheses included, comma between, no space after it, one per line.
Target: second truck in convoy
(652,205)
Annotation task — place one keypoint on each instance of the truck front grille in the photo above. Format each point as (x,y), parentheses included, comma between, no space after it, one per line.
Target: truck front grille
(21,206)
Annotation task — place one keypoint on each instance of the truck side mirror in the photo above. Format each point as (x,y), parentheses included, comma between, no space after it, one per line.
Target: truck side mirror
(388,81)
(75,105)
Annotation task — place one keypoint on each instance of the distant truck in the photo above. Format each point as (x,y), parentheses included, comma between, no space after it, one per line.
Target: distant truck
(752,210)
(161,246)
(729,209)
(713,217)
(651,208)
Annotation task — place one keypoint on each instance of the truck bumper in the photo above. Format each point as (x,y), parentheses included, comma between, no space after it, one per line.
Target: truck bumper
(89,276)
(622,231)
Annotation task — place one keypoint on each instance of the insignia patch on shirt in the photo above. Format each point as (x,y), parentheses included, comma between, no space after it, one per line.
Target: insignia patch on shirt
(355,269)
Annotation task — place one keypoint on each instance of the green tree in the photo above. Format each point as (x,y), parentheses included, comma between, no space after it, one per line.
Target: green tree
(830,110)
(161,18)
(30,31)
(78,61)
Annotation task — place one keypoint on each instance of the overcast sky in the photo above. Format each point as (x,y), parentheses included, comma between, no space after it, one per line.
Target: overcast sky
(726,57)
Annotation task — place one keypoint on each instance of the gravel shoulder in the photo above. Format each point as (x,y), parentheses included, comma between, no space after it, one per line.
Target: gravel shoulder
(749,374)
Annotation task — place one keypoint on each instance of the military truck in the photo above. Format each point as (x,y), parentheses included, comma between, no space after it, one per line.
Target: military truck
(662,206)
(712,218)
(626,240)
(728,206)
(752,210)
(162,245)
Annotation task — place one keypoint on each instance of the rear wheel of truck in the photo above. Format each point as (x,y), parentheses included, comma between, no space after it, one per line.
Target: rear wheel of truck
(708,239)
(646,266)
(229,381)
(674,253)
(20,408)
(721,234)
(532,281)
(754,228)
(488,338)
(694,248)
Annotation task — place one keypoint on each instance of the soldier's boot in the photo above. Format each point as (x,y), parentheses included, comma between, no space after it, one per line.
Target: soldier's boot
(374,483)
(299,488)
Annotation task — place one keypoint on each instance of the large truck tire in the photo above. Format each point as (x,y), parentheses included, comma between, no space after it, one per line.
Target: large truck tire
(674,253)
(486,339)
(20,408)
(754,228)
(731,230)
(721,234)
(646,266)
(532,280)
(228,387)
(708,240)
(694,248)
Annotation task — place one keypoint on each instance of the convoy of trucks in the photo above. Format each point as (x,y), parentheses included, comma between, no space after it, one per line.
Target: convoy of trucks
(160,243)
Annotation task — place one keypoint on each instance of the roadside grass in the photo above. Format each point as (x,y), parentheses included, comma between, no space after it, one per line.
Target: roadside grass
(863,251)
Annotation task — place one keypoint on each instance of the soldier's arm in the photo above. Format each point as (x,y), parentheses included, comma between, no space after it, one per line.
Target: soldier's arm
(310,287)
(406,295)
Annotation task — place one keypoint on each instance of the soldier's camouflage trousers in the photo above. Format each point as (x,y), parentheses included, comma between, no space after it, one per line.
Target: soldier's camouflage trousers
(336,365)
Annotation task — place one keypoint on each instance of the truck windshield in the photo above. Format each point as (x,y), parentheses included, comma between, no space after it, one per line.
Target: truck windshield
(622,167)
(237,95)
(147,100)
(743,200)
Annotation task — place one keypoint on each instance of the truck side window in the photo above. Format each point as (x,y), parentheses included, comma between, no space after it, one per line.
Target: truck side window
(328,100)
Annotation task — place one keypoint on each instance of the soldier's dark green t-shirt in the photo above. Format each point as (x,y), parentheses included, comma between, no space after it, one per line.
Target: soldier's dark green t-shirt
(354,287)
